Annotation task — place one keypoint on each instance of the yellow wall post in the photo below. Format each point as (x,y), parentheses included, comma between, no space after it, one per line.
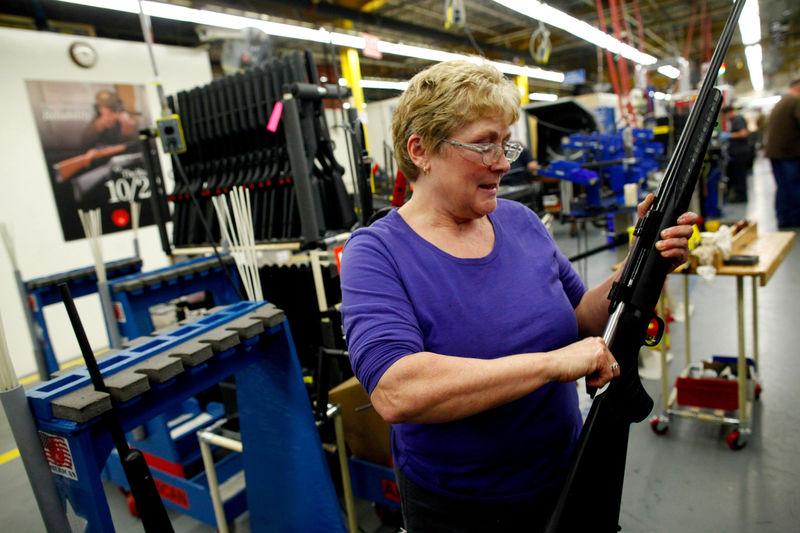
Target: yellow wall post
(522,84)
(351,71)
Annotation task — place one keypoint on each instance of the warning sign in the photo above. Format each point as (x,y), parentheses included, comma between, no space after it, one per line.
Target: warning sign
(119,312)
(390,490)
(172,493)
(58,454)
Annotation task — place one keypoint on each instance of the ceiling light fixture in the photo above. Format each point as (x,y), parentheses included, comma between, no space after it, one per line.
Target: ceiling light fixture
(669,71)
(750,28)
(543,97)
(291,31)
(752,55)
(384,84)
(552,16)
(766,101)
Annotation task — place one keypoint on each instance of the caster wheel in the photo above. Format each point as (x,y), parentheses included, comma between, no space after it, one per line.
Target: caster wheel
(658,426)
(735,440)
(132,505)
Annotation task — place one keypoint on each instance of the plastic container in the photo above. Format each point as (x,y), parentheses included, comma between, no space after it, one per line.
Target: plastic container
(709,393)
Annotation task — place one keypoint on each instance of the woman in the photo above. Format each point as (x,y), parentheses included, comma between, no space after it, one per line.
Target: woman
(465,323)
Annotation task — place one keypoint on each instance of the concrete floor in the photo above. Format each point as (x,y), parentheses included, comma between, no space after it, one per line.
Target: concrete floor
(688,480)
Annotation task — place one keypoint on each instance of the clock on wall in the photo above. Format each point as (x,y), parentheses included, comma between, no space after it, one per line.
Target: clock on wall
(83,54)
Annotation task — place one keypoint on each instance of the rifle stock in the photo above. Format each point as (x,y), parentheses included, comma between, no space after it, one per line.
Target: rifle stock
(69,167)
(592,492)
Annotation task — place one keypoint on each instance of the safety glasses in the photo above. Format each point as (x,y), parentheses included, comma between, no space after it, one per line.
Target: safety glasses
(492,152)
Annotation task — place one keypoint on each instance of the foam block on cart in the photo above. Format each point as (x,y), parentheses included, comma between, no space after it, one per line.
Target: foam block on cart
(126,385)
(191,353)
(159,368)
(220,338)
(81,405)
(245,327)
(269,315)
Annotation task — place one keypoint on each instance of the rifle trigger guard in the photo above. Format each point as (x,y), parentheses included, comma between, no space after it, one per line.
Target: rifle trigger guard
(654,331)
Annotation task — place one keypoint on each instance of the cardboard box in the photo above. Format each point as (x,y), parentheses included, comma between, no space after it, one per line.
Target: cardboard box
(366,433)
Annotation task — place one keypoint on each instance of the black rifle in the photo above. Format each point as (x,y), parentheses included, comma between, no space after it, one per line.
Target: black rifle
(143,487)
(592,492)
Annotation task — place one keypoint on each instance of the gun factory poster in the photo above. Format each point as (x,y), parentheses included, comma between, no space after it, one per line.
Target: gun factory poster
(90,138)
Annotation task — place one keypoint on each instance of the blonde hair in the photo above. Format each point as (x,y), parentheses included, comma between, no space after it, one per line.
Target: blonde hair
(445,97)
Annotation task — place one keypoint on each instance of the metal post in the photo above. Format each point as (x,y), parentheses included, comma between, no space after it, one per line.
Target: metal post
(664,384)
(23,428)
(158,204)
(335,412)
(686,315)
(301,175)
(315,257)
(108,312)
(206,438)
(741,361)
(36,337)
(26,436)
(755,321)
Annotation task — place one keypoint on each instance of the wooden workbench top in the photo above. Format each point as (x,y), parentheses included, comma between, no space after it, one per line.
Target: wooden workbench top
(771,249)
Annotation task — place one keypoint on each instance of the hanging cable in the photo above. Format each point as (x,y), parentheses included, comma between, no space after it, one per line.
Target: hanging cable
(474,42)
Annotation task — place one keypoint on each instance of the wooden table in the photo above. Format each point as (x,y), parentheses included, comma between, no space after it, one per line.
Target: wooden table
(771,249)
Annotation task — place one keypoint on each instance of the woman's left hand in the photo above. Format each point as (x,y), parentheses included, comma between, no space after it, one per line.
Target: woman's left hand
(674,242)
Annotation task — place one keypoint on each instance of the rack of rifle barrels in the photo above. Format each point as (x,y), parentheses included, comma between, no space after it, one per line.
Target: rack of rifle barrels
(264,129)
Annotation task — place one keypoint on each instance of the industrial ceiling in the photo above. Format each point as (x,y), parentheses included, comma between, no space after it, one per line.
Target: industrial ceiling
(491,30)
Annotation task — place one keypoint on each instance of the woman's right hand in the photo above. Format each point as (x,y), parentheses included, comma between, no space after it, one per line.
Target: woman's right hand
(588,357)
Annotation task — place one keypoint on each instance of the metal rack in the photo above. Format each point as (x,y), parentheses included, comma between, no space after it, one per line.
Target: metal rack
(280,441)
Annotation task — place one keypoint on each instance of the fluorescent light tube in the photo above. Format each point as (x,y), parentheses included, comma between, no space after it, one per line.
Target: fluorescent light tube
(750,23)
(384,84)
(552,16)
(752,54)
(766,101)
(543,97)
(669,71)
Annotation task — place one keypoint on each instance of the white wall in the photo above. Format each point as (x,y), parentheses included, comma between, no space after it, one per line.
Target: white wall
(379,128)
(27,205)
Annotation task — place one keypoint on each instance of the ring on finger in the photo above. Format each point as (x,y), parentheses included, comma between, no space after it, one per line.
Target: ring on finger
(614,366)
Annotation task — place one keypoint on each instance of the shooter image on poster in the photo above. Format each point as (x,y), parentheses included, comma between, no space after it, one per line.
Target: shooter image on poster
(90,139)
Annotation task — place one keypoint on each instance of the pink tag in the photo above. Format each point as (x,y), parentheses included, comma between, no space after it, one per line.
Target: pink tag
(275,117)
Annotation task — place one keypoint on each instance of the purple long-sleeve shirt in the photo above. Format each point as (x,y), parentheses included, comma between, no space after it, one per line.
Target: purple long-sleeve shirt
(402,295)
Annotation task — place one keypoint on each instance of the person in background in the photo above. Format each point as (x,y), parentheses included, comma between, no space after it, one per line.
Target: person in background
(112,123)
(739,154)
(465,323)
(783,150)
